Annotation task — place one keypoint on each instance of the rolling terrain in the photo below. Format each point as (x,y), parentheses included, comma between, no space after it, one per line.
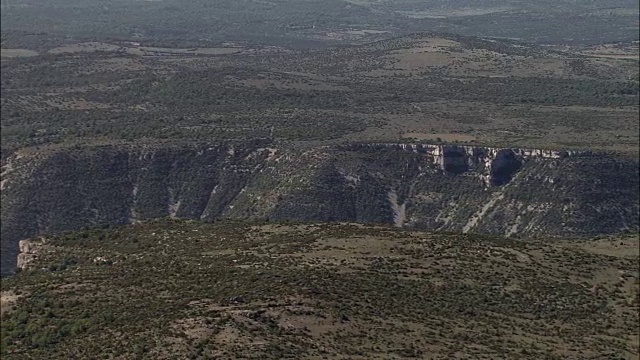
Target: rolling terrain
(319,179)
(38,24)
(101,133)
(428,86)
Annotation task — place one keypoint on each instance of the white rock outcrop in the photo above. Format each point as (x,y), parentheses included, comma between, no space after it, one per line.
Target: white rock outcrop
(29,250)
(486,161)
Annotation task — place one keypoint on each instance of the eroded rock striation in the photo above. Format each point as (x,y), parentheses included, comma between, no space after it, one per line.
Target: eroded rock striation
(504,191)
(495,165)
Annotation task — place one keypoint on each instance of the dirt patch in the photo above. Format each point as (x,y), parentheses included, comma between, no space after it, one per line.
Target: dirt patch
(12,53)
(625,247)
(8,301)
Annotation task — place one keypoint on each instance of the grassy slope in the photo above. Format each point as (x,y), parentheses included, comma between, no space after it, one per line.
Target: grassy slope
(237,290)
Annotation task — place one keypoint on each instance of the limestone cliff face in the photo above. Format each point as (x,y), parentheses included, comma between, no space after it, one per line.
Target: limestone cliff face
(455,188)
(473,189)
(495,166)
(28,251)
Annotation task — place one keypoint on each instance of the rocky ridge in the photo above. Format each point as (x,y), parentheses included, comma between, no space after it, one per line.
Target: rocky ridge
(512,192)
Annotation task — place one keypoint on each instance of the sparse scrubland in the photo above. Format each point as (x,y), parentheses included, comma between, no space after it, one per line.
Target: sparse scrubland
(309,179)
(183,289)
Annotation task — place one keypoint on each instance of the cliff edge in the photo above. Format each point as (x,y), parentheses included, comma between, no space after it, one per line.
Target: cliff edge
(511,192)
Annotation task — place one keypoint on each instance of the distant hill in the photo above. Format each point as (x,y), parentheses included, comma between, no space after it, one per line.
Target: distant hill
(312,23)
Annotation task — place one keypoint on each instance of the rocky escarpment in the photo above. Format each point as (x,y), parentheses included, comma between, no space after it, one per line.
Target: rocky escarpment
(94,186)
(474,189)
(454,188)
